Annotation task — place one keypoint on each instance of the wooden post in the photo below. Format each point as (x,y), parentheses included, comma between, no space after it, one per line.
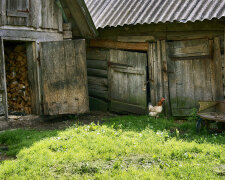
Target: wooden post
(159,83)
(165,78)
(151,63)
(3,78)
(218,69)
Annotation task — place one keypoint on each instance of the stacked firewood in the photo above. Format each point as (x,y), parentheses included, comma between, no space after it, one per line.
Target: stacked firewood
(18,89)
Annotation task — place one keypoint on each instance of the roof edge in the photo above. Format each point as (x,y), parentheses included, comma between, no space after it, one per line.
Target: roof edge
(88,17)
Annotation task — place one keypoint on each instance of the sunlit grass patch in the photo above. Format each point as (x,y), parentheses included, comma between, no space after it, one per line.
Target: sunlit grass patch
(128,147)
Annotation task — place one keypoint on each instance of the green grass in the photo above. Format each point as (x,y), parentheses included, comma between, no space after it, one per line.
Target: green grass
(128,147)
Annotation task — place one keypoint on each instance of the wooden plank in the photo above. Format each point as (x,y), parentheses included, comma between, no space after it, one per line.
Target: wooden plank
(129,71)
(98,105)
(159,72)
(98,92)
(165,78)
(135,38)
(30,51)
(30,35)
(47,14)
(60,20)
(64,80)
(119,45)
(97,72)
(35,8)
(17,14)
(97,64)
(218,69)
(124,108)
(212,71)
(55,16)
(224,60)
(97,54)
(171,66)
(189,48)
(3,12)
(191,58)
(98,81)
(3,88)
(151,62)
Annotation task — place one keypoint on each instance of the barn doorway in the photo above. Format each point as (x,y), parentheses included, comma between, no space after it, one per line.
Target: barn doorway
(128,82)
(17,82)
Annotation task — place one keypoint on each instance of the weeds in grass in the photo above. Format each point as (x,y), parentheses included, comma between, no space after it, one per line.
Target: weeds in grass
(193,115)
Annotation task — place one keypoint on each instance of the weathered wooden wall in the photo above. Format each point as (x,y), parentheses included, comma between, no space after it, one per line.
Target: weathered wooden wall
(43,14)
(97,70)
(197,70)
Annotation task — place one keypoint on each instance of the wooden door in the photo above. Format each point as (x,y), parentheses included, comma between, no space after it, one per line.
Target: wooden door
(192,72)
(3,90)
(128,81)
(17,12)
(64,77)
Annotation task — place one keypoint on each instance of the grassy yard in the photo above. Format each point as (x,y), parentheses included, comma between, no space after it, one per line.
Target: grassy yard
(128,147)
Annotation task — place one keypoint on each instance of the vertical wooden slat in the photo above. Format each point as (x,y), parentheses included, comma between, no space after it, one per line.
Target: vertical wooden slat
(60,20)
(159,84)
(212,70)
(3,78)
(3,12)
(55,11)
(165,78)
(34,13)
(32,64)
(151,59)
(218,69)
(47,13)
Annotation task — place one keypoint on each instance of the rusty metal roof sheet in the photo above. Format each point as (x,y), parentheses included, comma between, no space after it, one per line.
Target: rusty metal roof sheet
(114,13)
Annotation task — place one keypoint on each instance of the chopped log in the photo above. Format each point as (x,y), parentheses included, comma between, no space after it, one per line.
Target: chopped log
(18,89)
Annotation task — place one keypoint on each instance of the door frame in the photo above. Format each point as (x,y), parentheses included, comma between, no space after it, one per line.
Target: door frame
(33,44)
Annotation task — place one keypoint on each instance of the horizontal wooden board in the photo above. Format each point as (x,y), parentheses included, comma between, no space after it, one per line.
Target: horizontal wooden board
(190,48)
(98,105)
(97,64)
(135,38)
(97,72)
(98,93)
(97,81)
(97,54)
(119,45)
(124,108)
(129,71)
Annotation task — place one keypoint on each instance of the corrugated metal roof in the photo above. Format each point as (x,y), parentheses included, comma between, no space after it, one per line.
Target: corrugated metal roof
(130,12)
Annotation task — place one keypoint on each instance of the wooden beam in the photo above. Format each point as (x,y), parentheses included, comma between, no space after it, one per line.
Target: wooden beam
(218,69)
(119,45)
(165,78)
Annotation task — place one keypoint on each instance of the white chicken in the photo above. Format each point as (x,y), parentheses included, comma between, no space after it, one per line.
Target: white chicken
(154,111)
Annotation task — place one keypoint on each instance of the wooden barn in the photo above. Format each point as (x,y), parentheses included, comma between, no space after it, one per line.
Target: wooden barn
(148,49)
(43,56)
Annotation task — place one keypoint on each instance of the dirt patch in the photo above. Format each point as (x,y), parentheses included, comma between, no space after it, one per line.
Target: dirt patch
(53,122)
